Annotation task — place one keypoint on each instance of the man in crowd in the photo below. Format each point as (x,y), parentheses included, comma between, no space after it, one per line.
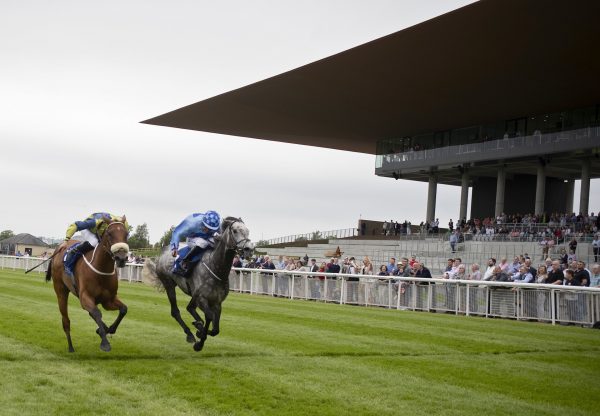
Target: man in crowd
(555,275)
(490,269)
(448,266)
(530,268)
(523,276)
(391,267)
(453,240)
(421,271)
(498,275)
(332,267)
(581,275)
(595,278)
(267,264)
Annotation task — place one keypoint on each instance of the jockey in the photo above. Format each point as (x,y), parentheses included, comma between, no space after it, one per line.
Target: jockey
(199,230)
(91,230)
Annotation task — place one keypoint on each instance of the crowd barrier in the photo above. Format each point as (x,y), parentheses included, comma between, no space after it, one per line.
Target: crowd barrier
(545,303)
(131,272)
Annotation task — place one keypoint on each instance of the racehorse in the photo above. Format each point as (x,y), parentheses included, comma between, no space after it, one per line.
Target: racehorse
(95,280)
(208,284)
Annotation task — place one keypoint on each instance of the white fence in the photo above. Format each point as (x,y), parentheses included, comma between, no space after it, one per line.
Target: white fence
(131,272)
(546,303)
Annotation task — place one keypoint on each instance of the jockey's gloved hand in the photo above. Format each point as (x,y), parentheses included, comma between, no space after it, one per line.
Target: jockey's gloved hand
(174,252)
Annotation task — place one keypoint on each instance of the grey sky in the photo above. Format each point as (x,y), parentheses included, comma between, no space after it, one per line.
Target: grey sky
(78,76)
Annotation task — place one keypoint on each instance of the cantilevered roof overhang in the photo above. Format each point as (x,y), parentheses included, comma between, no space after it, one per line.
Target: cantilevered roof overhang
(489,61)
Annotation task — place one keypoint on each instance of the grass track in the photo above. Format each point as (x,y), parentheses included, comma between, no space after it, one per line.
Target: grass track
(282,357)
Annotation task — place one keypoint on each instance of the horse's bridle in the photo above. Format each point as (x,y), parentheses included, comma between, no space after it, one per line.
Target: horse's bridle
(237,248)
(110,243)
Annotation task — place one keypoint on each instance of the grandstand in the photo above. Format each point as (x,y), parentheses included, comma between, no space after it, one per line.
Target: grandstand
(432,251)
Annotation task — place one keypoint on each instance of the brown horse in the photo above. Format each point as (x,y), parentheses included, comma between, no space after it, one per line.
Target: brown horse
(95,280)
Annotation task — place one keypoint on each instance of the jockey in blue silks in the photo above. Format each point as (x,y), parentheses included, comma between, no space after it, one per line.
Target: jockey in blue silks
(198,230)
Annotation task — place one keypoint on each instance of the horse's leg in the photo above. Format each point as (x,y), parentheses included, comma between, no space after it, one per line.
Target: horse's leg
(216,320)
(208,316)
(170,289)
(62,294)
(89,305)
(198,323)
(112,306)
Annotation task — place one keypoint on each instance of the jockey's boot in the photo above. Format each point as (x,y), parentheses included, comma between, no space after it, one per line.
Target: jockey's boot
(186,262)
(74,253)
(85,247)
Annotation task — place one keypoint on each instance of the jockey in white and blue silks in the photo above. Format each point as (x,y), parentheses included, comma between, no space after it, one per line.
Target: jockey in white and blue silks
(198,230)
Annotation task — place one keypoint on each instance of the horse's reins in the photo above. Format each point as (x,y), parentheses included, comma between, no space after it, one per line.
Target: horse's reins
(236,248)
(111,254)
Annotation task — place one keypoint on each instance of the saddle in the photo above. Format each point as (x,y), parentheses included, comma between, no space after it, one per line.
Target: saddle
(187,260)
(72,255)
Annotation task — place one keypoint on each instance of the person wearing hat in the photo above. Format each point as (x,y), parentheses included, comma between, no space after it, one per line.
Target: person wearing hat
(198,230)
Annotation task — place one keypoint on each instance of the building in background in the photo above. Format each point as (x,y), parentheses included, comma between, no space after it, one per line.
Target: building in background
(25,244)
(500,96)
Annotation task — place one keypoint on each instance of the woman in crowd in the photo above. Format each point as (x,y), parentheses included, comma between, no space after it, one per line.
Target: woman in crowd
(504,266)
(461,274)
(367,267)
(542,274)
(382,270)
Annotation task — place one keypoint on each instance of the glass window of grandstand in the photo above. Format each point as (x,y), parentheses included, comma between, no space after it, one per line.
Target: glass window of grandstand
(516,127)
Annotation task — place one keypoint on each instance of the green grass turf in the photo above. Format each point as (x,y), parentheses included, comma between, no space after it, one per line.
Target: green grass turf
(281,357)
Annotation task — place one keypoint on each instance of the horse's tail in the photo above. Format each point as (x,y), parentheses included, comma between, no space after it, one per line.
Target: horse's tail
(149,275)
(49,271)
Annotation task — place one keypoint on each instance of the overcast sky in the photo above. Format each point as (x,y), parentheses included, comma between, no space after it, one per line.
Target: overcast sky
(78,76)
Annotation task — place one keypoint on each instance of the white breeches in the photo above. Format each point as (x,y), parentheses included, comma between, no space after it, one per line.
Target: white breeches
(200,242)
(87,235)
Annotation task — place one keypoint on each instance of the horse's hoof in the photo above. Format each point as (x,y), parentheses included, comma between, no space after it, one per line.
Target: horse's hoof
(213,333)
(190,338)
(198,346)
(71,349)
(105,347)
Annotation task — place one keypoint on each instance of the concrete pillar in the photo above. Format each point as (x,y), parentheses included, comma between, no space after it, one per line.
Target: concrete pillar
(540,189)
(500,183)
(464,195)
(431,195)
(584,198)
(570,194)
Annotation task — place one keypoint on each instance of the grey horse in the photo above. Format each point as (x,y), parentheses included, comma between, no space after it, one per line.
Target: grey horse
(208,284)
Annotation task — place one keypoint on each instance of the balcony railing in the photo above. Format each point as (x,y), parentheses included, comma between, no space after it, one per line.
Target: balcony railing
(506,148)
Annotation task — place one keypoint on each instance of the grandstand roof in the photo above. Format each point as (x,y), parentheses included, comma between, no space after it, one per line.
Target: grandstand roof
(24,238)
(488,61)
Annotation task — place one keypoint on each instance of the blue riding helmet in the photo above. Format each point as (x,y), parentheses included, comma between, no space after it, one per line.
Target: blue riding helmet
(212,220)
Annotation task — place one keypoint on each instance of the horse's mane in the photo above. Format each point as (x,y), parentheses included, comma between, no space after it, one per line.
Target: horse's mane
(228,221)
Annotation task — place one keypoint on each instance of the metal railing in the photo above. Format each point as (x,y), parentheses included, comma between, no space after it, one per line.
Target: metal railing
(545,303)
(341,233)
(131,272)
(504,148)
(541,302)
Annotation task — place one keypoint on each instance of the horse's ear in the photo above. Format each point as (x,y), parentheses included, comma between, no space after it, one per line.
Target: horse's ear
(123,219)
